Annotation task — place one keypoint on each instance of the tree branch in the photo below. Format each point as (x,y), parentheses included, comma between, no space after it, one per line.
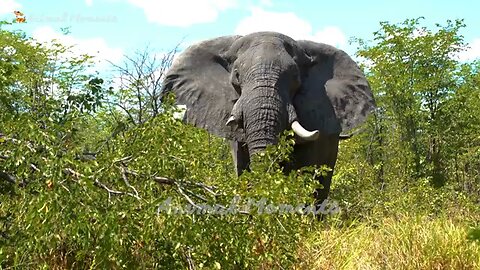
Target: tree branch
(189,200)
(188,258)
(110,191)
(125,180)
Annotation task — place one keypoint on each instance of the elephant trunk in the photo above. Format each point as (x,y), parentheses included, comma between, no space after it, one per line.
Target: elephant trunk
(265,117)
(266,110)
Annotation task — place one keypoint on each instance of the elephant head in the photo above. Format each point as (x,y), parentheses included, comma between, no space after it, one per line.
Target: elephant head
(251,88)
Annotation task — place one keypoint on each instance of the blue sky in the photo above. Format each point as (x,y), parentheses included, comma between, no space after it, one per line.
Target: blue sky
(112,28)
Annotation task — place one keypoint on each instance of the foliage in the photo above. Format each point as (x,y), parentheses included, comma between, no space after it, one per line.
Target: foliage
(119,217)
(63,206)
(426,98)
(474,234)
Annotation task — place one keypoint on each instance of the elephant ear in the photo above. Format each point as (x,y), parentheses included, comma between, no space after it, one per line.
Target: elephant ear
(335,96)
(200,79)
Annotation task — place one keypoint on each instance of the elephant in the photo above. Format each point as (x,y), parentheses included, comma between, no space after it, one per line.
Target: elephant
(249,89)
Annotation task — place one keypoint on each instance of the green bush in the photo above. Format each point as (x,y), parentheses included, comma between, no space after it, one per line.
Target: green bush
(112,211)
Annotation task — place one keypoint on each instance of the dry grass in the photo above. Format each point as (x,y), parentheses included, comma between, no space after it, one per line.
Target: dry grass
(406,243)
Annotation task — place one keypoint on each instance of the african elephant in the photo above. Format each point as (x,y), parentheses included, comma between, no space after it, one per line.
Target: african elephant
(250,88)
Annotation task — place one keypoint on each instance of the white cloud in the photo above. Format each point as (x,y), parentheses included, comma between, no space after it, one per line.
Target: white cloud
(267,3)
(472,53)
(289,24)
(96,47)
(331,35)
(182,13)
(89,2)
(8,6)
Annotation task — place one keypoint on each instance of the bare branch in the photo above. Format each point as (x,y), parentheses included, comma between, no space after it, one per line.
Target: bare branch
(163,180)
(127,111)
(189,200)
(209,189)
(125,180)
(142,75)
(188,258)
(110,191)
(127,158)
(73,173)
(177,158)
(34,168)
(169,181)
(200,197)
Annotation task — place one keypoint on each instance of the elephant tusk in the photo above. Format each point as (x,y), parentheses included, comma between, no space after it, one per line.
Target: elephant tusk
(230,121)
(180,112)
(303,133)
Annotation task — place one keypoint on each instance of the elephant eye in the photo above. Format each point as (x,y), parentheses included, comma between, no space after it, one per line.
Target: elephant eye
(235,80)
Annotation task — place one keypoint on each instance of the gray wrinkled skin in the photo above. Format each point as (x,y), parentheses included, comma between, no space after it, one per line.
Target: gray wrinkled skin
(266,81)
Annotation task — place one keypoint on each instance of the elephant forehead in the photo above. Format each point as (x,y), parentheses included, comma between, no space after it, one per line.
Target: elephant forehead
(269,35)
(271,39)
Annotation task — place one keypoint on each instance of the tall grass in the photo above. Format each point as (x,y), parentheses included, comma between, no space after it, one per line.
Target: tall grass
(402,243)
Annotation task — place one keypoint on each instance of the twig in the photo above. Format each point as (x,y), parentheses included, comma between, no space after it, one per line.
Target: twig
(64,187)
(34,167)
(130,172)
(73,173)
(127,158)
(281,225)
(163,180)
(188,257)
(200,197)
(125,180)
(190,201)
(114,192)
(177,158)
(273,162)
(168,181)
(207,188)
(110,191)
